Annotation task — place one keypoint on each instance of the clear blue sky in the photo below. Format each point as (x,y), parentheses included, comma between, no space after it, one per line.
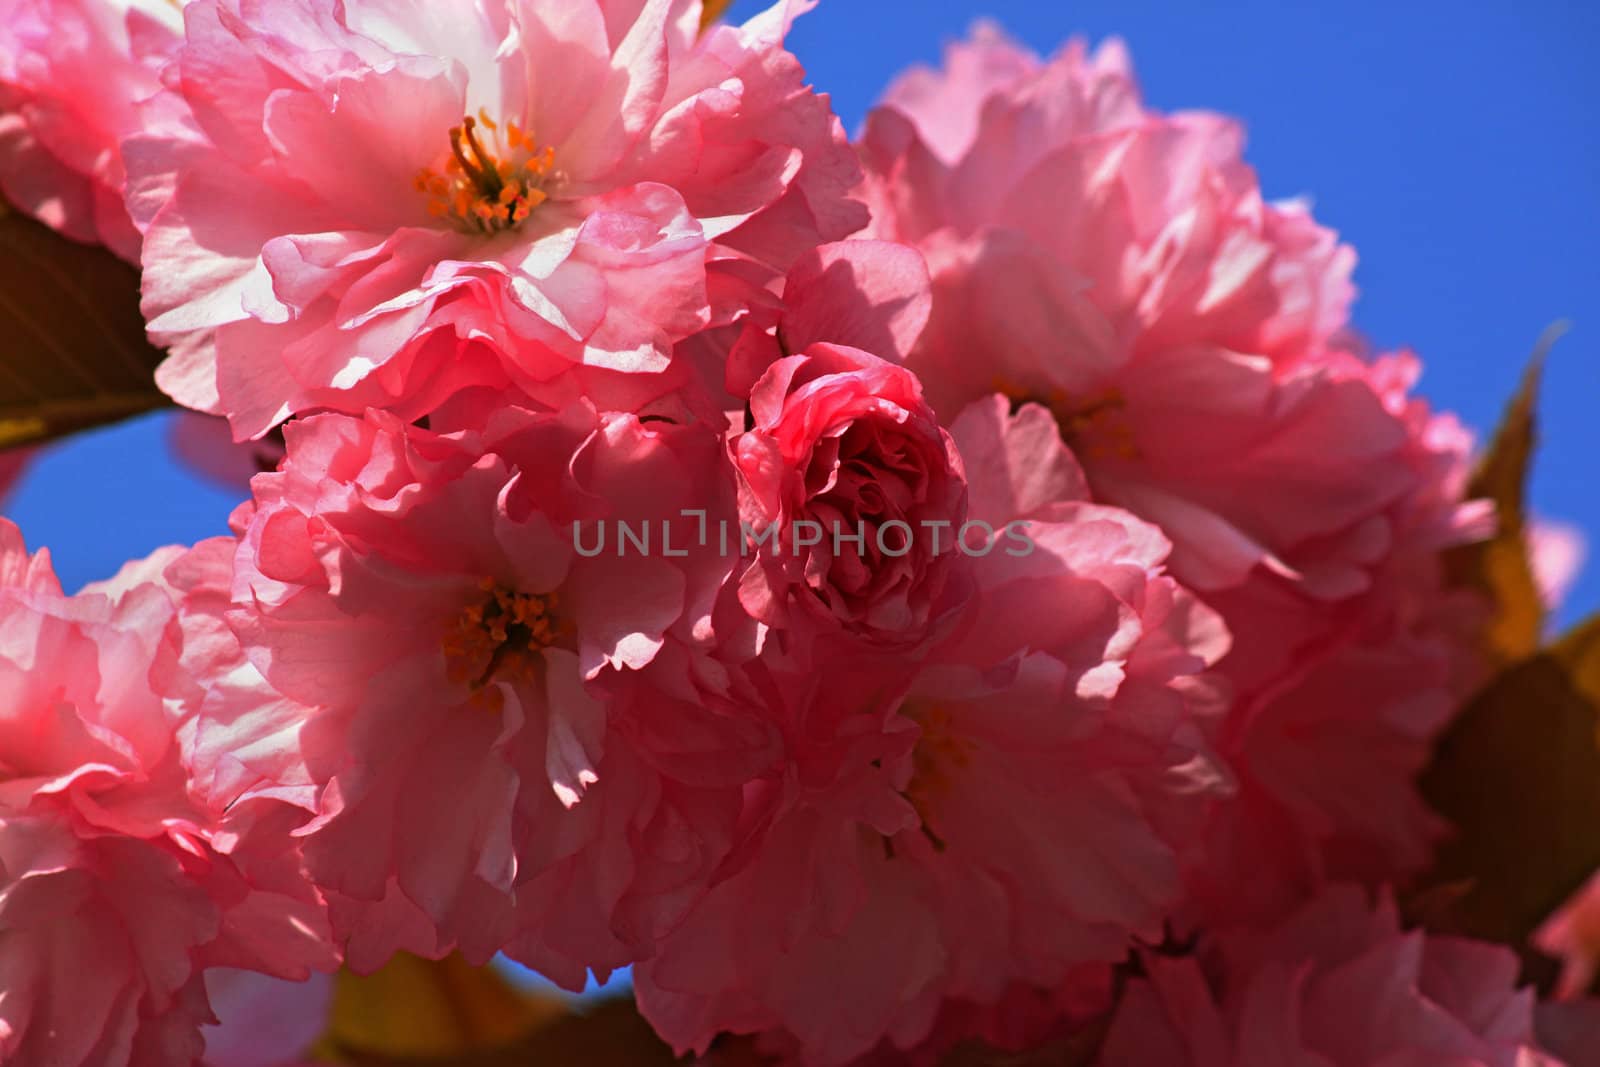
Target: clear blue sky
(1455,145)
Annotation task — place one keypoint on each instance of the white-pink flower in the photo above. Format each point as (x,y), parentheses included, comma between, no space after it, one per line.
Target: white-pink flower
(1002,816)
(73,77)
(118,885)
(493,192)
(1337,984)
(477,679)
(1121,266)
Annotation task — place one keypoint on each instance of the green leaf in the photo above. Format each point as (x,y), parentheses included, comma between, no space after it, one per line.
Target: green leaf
(1518,775)
(419,1010)
(73,352)
(415,1013)
(611,1034)
(1500,568)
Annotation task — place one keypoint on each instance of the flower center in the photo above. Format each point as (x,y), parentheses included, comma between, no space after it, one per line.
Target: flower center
(488,187)
(1095,424)
(936,765)
(499,639)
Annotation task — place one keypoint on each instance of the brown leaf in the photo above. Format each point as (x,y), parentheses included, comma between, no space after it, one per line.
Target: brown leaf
(416,1009)
(611,1034)
(1500,567)
(1579,651)
(73,352)
(712,11)
(1519,777)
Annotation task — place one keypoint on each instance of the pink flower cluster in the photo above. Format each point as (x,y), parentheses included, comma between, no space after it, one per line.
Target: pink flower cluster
(1336,984)
(885,594)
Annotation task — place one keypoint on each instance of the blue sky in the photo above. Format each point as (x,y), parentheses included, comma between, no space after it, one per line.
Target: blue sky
(1454,145)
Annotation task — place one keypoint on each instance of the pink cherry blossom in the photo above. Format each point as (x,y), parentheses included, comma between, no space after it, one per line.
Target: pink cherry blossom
(101,936)
(1556,551)
(1337,705)
(1042,771)
(204,445)
(264,1022)
(1338,984)
(1025,1026)
(467,672)
(115,891)
(1572,935)
(848,482)
(1121,266)
(1021,613)
(871,295)
(516,192)
(73,74)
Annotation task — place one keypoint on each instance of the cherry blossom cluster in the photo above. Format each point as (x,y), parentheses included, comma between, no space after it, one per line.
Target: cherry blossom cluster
(1131,744)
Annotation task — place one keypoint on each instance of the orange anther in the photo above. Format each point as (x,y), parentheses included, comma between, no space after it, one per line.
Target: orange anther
(489,182)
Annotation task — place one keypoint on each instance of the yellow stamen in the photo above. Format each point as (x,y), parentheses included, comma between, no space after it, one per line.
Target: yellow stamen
(1095,425)
(937,762)
(499,639)
(487,183)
